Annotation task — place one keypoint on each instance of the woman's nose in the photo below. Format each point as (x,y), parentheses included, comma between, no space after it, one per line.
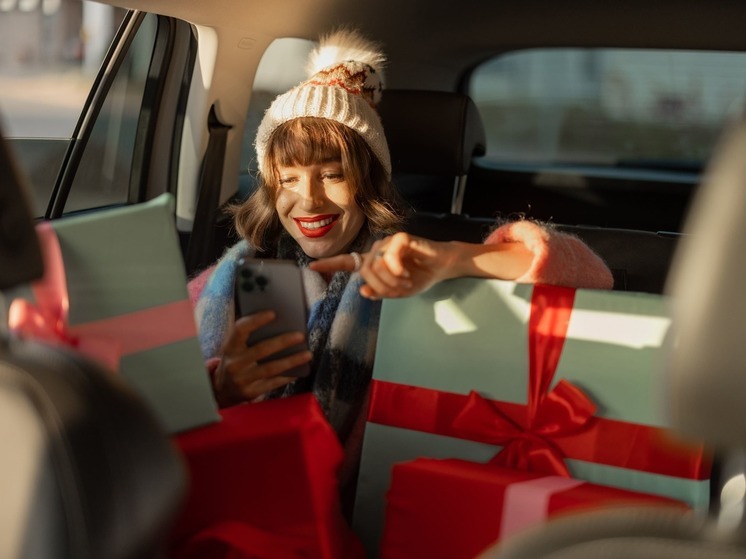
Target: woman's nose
(312,192)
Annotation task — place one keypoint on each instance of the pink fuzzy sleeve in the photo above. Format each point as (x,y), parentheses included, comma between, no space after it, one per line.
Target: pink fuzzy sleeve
(559,258)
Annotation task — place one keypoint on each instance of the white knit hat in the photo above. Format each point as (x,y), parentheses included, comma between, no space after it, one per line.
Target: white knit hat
(345,85)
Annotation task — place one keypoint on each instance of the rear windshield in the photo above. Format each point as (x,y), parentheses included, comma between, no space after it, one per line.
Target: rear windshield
(648,109)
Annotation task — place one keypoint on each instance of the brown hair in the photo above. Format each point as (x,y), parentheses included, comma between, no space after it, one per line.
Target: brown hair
(303,141)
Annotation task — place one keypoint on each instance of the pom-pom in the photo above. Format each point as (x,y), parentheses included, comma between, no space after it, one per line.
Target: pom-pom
(343,45)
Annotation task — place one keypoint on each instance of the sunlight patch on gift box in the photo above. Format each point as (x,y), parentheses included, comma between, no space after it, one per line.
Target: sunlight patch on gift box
(508,291)
(627,330)
(451,318)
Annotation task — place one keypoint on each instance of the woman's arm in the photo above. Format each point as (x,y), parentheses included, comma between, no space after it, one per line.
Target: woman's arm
(526,252)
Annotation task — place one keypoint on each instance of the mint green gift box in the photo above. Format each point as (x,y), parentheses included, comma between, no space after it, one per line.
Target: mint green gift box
(472,335)
(127,286)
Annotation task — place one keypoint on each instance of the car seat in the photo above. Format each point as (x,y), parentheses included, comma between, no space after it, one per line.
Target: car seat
(87,472)
(705,381)
(432,137)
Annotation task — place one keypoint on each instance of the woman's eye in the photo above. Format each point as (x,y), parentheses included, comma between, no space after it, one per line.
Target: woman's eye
(332,176)
(286,181)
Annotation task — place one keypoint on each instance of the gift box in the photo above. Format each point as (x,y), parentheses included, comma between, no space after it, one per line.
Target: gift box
(535,378)
(264,485)
(115,290)
(455,509)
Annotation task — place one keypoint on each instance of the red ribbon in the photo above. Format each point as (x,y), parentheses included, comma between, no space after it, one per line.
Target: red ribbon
(563,410)
(239,540)
(553,425)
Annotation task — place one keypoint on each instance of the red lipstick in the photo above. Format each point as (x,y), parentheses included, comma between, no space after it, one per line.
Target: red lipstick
(316,226)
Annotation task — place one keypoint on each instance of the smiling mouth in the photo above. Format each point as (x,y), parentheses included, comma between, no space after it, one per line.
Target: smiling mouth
(316,226)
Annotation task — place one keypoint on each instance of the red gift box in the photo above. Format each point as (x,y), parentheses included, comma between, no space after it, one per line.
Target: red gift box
(454,508)
(263,483)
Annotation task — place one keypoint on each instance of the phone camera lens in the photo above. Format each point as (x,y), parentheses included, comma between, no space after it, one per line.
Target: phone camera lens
(261,282)
(247,285)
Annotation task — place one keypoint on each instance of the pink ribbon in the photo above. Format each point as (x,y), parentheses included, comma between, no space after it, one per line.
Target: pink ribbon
(526,503)
(104,340)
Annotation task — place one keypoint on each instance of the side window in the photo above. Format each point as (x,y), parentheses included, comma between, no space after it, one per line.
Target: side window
(282,66)
(643,109)
(103,175)
(50,51)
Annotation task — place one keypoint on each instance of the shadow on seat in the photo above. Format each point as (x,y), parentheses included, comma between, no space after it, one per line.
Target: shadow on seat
(705,381)
(87,472)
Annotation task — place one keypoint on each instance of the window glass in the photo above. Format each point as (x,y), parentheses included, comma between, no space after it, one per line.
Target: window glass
(281,67)
(50,51)
(103,177)
(609,107)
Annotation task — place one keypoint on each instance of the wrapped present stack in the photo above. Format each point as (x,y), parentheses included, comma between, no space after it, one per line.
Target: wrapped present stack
(545,396)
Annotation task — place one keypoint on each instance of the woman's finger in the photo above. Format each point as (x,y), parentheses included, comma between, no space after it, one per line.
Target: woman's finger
(339,263)
(244,327)
(252,379)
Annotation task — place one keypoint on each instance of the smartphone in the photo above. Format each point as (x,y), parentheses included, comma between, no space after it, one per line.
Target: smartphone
(275,285)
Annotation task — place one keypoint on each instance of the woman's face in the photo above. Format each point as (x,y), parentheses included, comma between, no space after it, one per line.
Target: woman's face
(316,205)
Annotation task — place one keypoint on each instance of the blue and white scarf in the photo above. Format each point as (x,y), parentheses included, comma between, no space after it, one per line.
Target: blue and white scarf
(342,329)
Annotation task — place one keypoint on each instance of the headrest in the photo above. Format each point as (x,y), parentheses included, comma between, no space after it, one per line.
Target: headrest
(20,255)
(90,472)
(431,132)
(707,362)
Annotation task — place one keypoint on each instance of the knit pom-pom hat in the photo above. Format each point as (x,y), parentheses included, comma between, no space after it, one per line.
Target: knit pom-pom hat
(345,85)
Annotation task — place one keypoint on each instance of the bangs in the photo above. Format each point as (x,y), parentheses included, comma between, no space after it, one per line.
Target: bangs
(304,141)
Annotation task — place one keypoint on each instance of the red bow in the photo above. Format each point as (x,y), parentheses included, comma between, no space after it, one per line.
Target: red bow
(562,411)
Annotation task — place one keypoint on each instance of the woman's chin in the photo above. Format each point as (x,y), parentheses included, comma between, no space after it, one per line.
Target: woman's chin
(320,250)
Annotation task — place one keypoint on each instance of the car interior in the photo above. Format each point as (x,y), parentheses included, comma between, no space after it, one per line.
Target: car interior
(174,108)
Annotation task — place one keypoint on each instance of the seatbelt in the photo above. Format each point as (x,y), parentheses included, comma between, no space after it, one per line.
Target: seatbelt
(201,249)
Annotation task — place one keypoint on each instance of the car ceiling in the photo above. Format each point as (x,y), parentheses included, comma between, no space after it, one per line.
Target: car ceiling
(434,40)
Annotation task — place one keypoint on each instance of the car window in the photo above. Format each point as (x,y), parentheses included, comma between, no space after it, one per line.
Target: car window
(103,174)
(50,52)
(634,109)
(282,66)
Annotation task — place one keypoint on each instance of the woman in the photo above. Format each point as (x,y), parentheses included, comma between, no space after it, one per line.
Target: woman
(326,196)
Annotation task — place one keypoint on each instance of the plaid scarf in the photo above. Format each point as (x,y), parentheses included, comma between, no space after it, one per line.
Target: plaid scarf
(342,329)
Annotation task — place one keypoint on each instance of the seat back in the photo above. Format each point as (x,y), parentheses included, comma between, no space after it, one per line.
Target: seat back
(87,472)
(432,137)
(707,366)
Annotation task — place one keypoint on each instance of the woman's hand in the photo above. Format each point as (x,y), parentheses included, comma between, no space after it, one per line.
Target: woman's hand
(239,376)
(397,266)
(402,265)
